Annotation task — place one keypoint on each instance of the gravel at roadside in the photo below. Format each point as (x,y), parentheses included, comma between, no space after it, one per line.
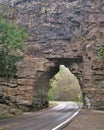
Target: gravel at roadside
(87,120)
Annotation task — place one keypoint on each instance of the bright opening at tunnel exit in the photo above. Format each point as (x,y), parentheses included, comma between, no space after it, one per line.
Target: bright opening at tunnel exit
(64,86)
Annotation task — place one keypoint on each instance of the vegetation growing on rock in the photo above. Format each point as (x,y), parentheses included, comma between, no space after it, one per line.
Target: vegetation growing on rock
(100,51)
(11,39)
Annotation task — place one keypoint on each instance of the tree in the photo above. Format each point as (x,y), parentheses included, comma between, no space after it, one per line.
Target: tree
(64,86)
(11,41)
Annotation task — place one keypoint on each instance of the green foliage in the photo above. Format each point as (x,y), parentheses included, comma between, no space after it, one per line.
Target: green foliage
(8,64)
(11,41)
(11,36)
(100,51)
(64,86)
(52,104)
(50,94)
(5,116)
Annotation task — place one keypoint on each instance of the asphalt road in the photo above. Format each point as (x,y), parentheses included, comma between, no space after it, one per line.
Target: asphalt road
(48,119)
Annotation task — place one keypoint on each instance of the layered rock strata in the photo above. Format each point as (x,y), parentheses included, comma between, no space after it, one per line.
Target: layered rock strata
(60,32)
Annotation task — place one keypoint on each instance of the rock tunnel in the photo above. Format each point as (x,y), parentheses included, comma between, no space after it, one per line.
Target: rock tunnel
(62,32)
(41,87)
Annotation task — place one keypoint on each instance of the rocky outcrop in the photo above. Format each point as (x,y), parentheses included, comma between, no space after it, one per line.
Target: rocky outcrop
(60,32)
(93,34)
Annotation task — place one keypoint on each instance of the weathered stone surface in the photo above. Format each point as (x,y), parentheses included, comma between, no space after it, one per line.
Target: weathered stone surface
(5,109)
(61,32)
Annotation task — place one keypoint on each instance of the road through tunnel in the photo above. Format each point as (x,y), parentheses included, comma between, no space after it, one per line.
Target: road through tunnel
(42,87)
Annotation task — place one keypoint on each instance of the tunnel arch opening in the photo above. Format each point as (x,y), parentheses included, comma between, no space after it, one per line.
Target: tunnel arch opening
(42,87)
(64,86)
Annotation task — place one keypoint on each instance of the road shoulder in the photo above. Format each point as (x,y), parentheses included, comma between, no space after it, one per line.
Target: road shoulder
(87,120)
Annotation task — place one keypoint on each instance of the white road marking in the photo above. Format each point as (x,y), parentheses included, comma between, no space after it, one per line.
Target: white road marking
(65,122)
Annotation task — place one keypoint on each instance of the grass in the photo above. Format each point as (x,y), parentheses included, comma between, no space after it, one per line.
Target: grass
(4,116)
(52,104)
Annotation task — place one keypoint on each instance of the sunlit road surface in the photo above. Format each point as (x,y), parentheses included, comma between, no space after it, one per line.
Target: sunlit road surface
(48,119)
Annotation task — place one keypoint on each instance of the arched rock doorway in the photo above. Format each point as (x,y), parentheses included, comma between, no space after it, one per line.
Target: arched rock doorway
(64,86)
(41,87)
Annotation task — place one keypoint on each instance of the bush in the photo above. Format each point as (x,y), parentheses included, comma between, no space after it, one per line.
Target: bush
(11,41)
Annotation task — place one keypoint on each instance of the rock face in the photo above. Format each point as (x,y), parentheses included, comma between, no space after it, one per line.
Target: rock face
(60,32)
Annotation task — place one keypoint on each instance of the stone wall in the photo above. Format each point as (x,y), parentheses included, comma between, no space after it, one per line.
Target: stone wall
(60,32)
(93,34)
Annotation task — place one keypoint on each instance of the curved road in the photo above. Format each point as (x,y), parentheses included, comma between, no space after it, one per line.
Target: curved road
(48,119)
